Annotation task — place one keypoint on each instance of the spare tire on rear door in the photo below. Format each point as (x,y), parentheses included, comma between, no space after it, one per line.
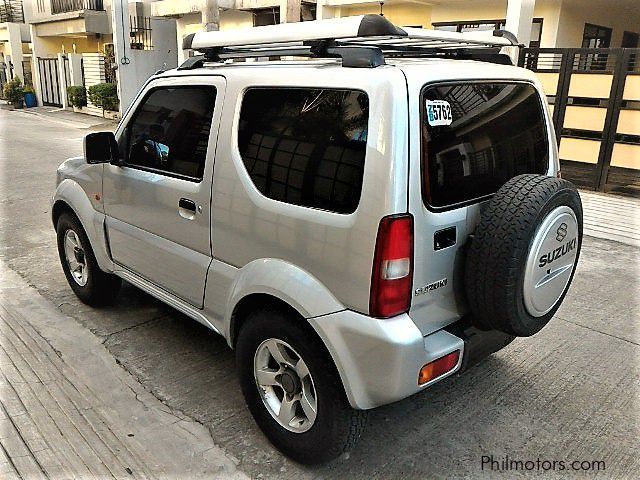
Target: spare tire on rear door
(523,254)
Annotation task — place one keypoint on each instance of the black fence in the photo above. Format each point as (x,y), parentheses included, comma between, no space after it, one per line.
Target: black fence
(62,6)
(594,96)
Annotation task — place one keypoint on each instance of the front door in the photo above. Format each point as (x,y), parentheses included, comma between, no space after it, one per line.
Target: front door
(158,201)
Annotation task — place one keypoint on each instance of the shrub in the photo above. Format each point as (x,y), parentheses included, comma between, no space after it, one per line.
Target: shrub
(28,89)
(104,95)
(13,91)
(77,95)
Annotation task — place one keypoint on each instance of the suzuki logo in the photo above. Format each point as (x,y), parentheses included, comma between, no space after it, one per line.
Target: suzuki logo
(561,232)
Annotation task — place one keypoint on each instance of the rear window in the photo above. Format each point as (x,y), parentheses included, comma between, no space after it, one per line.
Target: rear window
(306,146)
(476,136)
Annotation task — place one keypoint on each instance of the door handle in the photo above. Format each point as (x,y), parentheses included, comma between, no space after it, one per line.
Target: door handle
(187,204)
(187,208)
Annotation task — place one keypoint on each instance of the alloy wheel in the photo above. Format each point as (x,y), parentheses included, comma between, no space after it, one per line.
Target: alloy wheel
(75,257)
(285,385)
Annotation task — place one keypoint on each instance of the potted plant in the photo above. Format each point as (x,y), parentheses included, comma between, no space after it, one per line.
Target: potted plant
(77,96)
(13,92)
(29,97)
(104,95)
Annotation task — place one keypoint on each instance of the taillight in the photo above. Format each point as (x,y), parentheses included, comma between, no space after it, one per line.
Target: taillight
(392,267)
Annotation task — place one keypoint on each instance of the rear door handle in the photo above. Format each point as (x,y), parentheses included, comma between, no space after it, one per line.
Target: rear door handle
(444,238)
(187,204)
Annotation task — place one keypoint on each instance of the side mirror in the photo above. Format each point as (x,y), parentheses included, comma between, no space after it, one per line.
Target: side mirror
(101,147)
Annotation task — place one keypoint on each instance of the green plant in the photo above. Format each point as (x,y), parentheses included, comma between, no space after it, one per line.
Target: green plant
(77,95)
(13,91)
(28,89)
(104,95)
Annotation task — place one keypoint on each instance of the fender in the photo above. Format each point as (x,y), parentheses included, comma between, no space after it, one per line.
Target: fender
(92,220)
(282,280)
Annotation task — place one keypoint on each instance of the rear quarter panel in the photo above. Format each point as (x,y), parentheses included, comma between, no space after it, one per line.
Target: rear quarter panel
(336,249)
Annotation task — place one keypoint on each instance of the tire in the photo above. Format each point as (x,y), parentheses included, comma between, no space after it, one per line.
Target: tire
(98,288)
(523,254)
(336,427)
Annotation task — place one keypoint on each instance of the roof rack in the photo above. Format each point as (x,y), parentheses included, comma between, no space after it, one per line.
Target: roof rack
(361,41)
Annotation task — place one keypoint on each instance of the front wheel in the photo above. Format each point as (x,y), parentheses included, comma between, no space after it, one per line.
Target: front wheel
(293,389)
(91,285)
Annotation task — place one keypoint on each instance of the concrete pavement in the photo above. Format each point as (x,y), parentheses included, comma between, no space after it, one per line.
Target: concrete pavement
(65,117)
(67,410)
(571,392)
(611,217)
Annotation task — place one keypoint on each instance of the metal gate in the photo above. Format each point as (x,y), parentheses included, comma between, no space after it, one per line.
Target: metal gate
(594,94)
(49,81)
(50,87)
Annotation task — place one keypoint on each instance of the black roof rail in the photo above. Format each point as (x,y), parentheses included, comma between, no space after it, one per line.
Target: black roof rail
(351,56)
(197,61)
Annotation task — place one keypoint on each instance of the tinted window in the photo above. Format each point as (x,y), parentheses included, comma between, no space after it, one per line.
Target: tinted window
(496,131)
(170,130)
(305,146)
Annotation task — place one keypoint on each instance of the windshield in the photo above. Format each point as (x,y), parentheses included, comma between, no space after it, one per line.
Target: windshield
(478,135)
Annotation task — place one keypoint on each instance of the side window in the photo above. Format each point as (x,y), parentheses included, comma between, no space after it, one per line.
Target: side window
(306,146)
(169,131)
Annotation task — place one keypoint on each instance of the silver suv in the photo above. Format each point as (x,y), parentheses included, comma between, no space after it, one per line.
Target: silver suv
(358,225)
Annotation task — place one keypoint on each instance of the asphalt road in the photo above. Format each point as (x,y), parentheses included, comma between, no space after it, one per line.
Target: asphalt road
(569,393)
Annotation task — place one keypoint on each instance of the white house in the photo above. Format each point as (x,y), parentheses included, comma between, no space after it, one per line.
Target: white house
(84,42)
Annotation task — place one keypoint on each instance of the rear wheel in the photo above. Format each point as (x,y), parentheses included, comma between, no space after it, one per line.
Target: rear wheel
(293,389)
(93,286)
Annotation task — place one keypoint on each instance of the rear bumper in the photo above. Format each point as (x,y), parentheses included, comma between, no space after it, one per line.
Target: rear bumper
(379,360)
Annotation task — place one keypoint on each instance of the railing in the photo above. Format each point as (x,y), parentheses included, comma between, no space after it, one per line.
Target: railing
(595,99)
(11,11)
(62,6)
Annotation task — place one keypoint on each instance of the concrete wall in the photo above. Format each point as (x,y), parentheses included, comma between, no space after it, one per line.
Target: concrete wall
(53,45)
(548,10)
(174,8)
(11,35)
(229,20)
(144,63)
(192,22)
(75,24)
(575,14)
(563,20)
(401,14)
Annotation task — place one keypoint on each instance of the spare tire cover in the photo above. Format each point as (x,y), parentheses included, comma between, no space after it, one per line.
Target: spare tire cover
(523,254)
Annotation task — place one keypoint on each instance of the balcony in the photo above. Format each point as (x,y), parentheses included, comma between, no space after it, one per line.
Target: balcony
(11,11)
(70,17)
(64,6)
